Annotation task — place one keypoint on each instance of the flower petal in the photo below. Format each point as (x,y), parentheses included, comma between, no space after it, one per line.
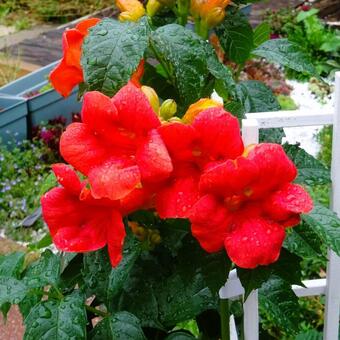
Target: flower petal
(115,238)
(210,222)
(84,25)
(134,110)
(274,168)
(291,199)
(68,178)
(219,133)
(178,197)
(153,158)
(72,42)
(113,179)
(254,241)
(179,139)
(98,112)
(81,148)
(64,78)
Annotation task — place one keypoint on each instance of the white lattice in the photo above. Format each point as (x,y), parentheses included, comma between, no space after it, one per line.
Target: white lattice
(330,287)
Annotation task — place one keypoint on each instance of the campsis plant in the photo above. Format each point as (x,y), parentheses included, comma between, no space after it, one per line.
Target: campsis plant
(159,198)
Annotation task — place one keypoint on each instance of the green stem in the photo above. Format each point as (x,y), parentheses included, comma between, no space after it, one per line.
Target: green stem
(96,311)
(204,30)
(183,10)
(225,319)
(238,71)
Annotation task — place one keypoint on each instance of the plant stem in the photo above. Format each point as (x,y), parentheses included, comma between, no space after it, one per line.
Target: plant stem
(225,319)
(96,311)
(183,9)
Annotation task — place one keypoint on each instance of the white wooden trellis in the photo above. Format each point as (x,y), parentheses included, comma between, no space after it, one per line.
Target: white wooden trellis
(330,287)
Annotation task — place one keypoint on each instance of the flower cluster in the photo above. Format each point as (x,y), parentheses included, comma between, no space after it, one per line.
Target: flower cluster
(236,198)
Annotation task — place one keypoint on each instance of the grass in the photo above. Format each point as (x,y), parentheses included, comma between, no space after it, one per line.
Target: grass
(25,13)
(9,67)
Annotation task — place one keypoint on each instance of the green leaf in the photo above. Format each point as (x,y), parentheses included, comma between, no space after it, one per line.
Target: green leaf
(224,81)
(310,170)
(311,334)
(42,243)
(277,299)
(44,271)
(255,96)
(12,265)
(180,335)
(236,108)
(183,55)
(64,319)
(261,33)
(303,241)
(287,268)
(112,52)
(325,224)
(5,309)
(286,53)
(272,135)
(103,280)
(236,37)
(11,290)
(48,183)
(120,326)
(306,14)
(30,300)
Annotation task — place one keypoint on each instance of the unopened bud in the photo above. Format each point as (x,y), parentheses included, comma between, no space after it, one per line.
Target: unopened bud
(168,109)
(152,97)
(214,17)
(153,7)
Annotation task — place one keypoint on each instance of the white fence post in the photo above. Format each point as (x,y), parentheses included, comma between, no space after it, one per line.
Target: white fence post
(250,135)
(331,330)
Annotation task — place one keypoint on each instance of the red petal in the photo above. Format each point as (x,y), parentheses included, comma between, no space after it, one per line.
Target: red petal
(179,139)
(134,110)
(210,222)
(289,200)
(177,198)
(219,133)
(229,177)
(113,179)
(115,238)
(72,42)
(98,112)
(64,78)
(153,158)
(274,168)
(81,148)
(84,25)
(138,199)
(254,241)
(67,177)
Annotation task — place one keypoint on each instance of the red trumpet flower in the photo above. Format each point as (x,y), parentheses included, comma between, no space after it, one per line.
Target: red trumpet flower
(213,135)
(79,223)
(247,203)
(117,145)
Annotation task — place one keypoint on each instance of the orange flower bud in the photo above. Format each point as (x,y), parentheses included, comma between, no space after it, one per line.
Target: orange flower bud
(215,16)
(152,97)
(199,106)
(131,10)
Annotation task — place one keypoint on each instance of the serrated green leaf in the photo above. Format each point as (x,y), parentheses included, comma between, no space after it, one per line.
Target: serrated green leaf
(64,319)
(303,241)
(261,33)
(182,54)
(286,53)
(44,271)
(236,37)
(310,170)
(11,290)
(120,326)
(30,300)
(255,96)
(277,299)
(12,265)
(111,53)
(325,224)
